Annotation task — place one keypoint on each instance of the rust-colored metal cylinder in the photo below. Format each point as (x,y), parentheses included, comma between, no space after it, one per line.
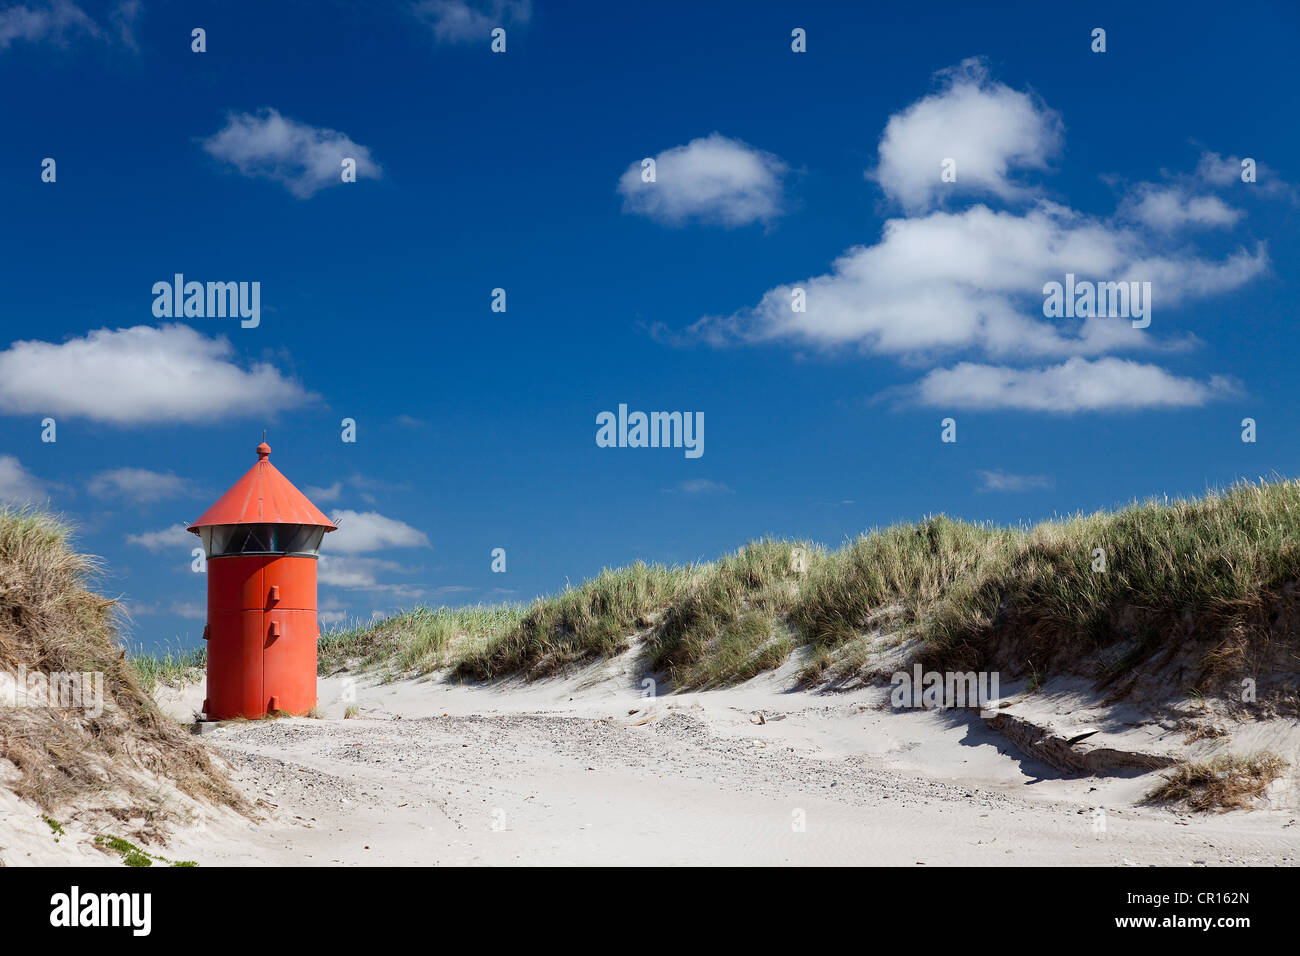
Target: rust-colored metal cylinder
(262,540)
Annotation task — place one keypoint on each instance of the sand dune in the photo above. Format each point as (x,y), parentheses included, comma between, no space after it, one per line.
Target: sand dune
(585,770)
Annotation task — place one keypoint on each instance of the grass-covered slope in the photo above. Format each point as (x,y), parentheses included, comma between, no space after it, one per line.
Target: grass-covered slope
(1208,585)
(123,761)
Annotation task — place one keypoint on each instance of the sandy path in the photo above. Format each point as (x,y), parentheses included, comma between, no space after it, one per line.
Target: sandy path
(561,773)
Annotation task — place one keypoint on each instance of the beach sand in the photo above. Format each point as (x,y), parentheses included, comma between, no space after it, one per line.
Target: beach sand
(585,770)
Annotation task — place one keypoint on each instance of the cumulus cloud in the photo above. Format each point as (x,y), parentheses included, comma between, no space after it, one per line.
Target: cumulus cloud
(326,494)
(1168,208)
(987,128)
(136,484)
(359,485)
(1186,200)
(187,609)
(365,574)
(303,158)
(1107,384)
(1222,172)
(712,179)
(1214,169)
(369,531)
(360,573)
(18,486)
(193,610)
(699,486)
(144,374)
(123,18)
(974,280)
(55,22)
(464,21)
(60,22)
(998,480)
(939,282)
(166,539)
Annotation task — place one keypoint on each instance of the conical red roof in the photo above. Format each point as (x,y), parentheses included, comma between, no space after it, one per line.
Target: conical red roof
(263,496)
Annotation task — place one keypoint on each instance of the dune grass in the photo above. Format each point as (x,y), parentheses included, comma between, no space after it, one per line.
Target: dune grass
(417,640)
(171,667)
(1210,575)
(1225,782)
(51,622)
(592,620)
(1204,572)
(728,620)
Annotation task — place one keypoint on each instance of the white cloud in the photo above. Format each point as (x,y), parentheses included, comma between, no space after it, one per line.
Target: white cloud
(1181,278)
(1168,208)
(998,480)
(938,282)
(988,128)
(324,495)
(305,159)
(1107,384)
(359,485)
(448,590)
(167,539)
(136,484)
(18,486)
(699,486)
(368,531)
(55,21)
(123,19)
(332,611)
(1185,200)
(974,280)
(61,21)
(464,21)
(712,179)
(187,609)
(1224,172)
(143,374)
(358,573)
(364,574)
(1219,171)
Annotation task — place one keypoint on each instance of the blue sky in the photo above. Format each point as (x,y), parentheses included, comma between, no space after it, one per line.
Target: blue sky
(522,171)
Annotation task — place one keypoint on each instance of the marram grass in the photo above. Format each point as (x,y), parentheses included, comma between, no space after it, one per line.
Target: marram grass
(1206,572)
(51,621)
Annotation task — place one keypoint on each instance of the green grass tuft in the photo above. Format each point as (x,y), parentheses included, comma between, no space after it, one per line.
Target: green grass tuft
(132,855)
(591,621)
(169,667)
(419,640)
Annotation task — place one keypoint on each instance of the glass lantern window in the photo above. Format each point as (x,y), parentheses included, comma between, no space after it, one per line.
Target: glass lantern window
(224,540)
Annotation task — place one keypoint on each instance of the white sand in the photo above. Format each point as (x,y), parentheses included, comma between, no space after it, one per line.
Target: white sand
(585,770)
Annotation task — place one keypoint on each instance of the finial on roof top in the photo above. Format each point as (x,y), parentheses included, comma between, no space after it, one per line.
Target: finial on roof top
(263,450)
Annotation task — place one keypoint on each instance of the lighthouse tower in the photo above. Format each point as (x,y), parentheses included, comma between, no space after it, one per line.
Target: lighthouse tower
(262,539)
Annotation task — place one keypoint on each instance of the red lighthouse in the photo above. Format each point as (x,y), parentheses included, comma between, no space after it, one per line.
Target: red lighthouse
(262,539)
